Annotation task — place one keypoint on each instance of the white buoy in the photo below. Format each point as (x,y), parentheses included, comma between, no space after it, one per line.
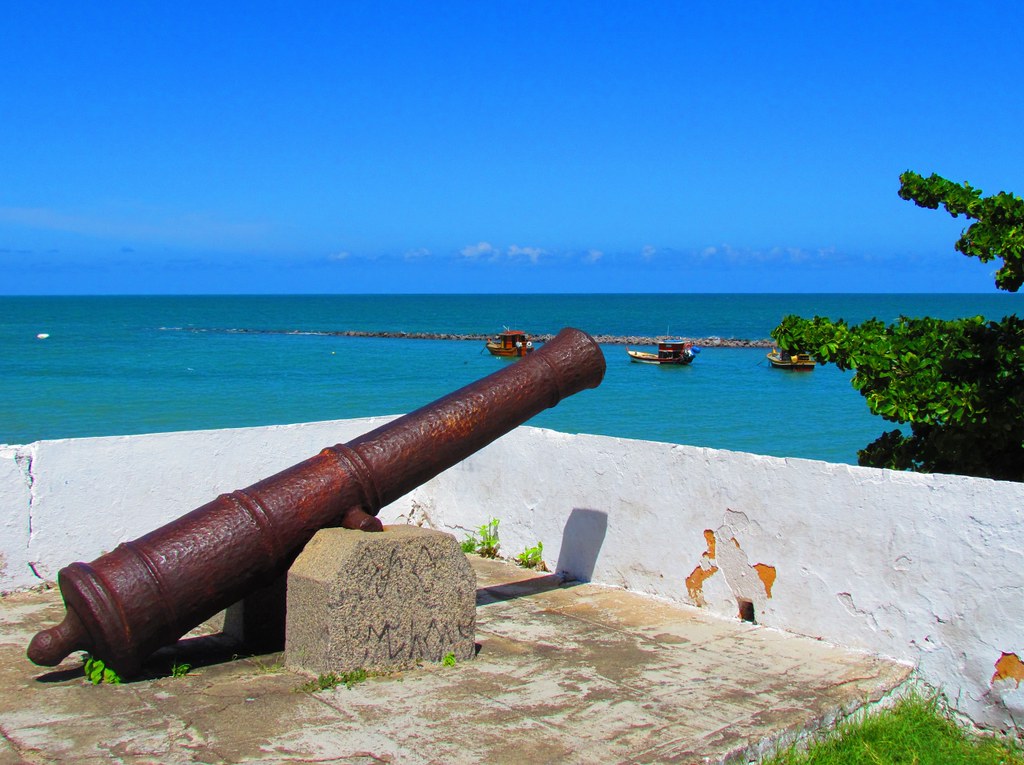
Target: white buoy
(42,335)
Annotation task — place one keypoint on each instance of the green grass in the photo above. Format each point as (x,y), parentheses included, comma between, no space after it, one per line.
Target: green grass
(916,731)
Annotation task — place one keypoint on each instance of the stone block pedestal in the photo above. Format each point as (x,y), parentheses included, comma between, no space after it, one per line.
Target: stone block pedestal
(380,601)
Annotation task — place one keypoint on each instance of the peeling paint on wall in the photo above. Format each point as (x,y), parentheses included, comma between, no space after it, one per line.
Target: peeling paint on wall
(709,537)
(734,564)
(695,583)
(704,570)
(767,576)
(1009,667)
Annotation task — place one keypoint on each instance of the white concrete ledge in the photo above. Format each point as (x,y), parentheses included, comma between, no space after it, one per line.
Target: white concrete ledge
(924,568)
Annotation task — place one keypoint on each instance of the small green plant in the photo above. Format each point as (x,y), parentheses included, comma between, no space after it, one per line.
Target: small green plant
(449,659)
(321,683)
(485,542)
(353,677)
(532,557)
(180,670)
(331,680)
(488,547)
(96,672)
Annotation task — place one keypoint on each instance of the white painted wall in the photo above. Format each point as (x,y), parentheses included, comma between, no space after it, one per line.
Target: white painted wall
(82,497)
(15,521)
(927,569)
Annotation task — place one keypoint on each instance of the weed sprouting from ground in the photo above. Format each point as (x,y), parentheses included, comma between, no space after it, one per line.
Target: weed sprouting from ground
(532,557)
(331,680)
(485,542)
(97,673)
(180,670)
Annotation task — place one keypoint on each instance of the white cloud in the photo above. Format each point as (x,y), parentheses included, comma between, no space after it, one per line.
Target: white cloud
(343,255)
(531,253)
(474,251)
(486,250)
(419,252)
(593,256)
(648,252)
(777,254)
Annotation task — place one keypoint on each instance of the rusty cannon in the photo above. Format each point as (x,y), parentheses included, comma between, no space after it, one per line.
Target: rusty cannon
(148,592)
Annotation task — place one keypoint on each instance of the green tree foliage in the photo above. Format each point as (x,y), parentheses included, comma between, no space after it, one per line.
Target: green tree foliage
(956,387)
(998,230)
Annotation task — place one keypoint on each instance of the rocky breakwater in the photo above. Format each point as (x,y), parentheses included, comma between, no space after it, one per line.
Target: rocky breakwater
(703,342)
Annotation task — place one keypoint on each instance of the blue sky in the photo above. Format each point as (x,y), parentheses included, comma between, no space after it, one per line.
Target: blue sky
(498,147)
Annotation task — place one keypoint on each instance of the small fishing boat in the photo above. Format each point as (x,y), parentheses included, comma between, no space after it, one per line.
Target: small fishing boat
(511,343)
(670,351)
(798,362)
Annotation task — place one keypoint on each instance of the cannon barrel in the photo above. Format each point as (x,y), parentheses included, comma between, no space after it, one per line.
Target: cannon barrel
(149,592)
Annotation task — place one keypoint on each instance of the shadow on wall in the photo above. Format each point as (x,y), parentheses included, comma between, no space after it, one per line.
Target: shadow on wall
(581,544)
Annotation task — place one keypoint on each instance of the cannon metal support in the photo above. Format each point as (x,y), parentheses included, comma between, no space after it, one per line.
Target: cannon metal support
(149,592)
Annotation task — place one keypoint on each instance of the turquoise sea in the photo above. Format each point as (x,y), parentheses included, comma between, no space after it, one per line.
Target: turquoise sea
(122,365)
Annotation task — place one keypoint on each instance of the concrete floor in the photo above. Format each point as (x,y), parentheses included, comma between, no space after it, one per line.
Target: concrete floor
(564,674)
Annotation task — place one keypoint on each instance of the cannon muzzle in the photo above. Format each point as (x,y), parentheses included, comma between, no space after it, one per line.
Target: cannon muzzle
(149,592)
